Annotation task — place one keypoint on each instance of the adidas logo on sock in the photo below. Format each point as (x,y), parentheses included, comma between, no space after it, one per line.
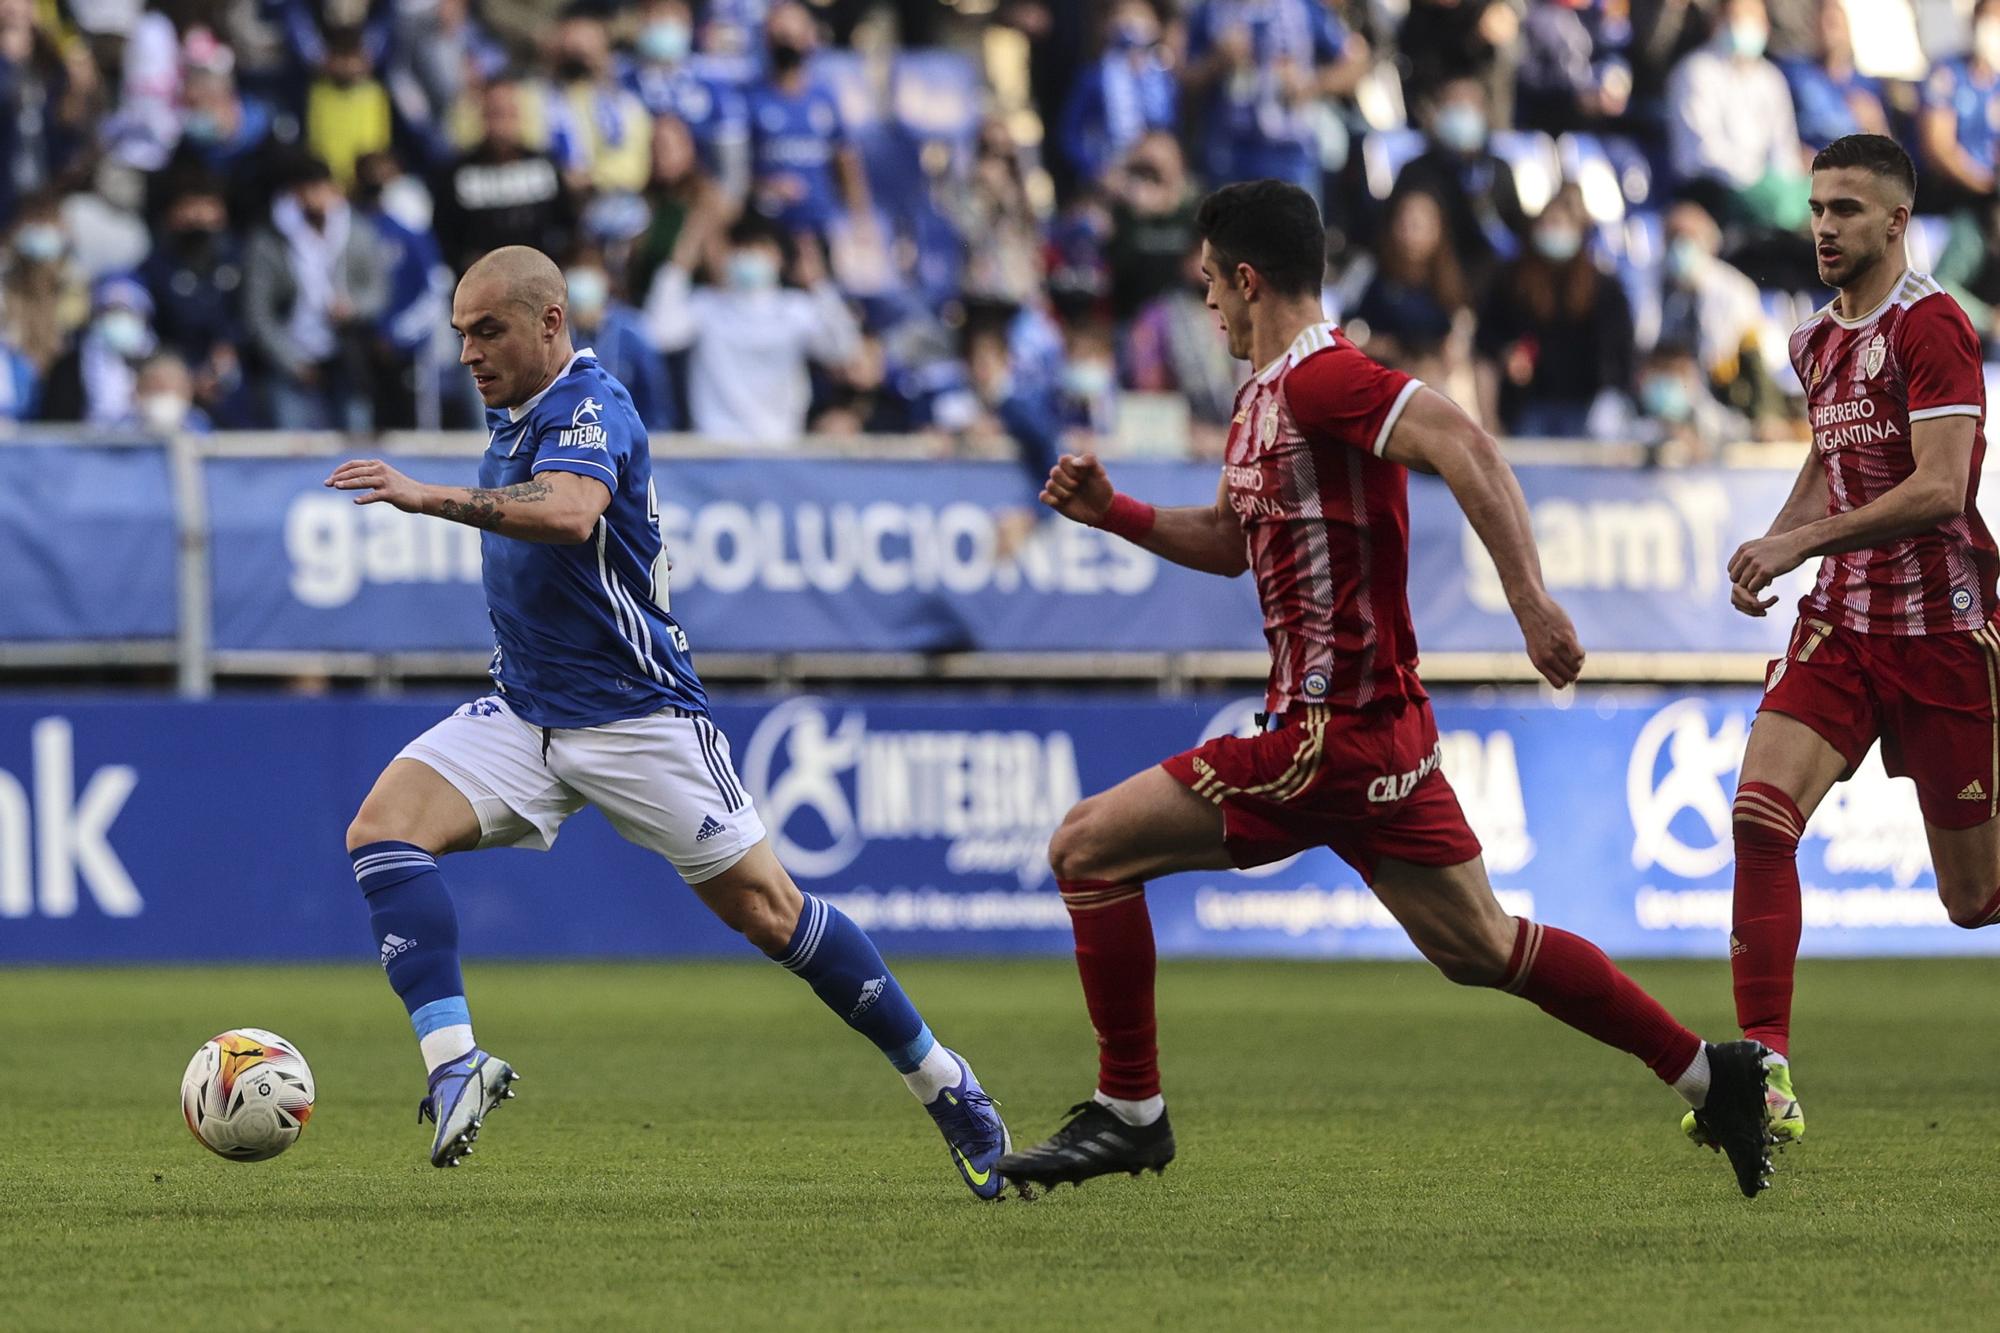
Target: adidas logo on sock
(393,945)
(1973,791)
(871,991)
(709,828)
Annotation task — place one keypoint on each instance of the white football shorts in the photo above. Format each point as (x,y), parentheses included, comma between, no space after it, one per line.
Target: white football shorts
(664,781)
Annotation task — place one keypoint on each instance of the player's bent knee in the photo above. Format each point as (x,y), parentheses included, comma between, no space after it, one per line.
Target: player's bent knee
(1970,909)
(1074,851)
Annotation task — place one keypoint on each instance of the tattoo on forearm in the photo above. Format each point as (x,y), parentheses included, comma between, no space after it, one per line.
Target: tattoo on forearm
(481,507)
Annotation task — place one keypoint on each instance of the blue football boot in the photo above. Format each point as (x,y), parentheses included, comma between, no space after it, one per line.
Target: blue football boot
(462,1092)
(973,1131)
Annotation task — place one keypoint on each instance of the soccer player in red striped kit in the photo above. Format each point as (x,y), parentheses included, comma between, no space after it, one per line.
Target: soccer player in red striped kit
(1313,503)
(1895,639)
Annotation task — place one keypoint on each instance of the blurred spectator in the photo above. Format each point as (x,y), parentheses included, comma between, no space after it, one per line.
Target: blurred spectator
(679,190)
(804,167)
(1555,336)
(1714,313)
(1969,269)
(1079,274)
(146,124)
(314,284)
(435,44)
(415,375)
(751,339)
(97,380)
(1733,138)
(1003,242)
(43,296)
(1418,304)
(501,192)
(1564,83)
(1152,223)
(1472,184)
(616,331)
(163,398)
(1676,408)
(1130,91)
(347,110)
(713,112)
(1175,345)
(1833,99)
(226,131)
(1256,72)
(1960,127)
(1023,407)
(1444,40)
(601,132)
(47,101)
(1089,402)
(195,277)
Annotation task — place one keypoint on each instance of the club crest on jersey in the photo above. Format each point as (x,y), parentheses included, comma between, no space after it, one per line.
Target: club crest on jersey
(1314,684)
(1267,426)
(1878,348)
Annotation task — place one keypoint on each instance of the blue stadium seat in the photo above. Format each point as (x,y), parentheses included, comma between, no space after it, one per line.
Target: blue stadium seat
(1612,172)
(1384,154)
(1537,170)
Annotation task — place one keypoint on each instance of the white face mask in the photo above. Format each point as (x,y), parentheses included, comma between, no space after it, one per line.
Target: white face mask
(1986,42)
(123,332)
(589,289)
(163,412)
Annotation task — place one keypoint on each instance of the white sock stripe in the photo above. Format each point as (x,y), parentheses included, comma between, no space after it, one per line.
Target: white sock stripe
(815,927)
(408,862)
(395,853)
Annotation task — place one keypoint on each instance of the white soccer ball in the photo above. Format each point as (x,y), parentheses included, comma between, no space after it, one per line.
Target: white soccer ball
(247,1094)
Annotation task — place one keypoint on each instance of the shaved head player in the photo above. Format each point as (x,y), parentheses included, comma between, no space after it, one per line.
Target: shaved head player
(1313,504)
(1896,639)
(595,702)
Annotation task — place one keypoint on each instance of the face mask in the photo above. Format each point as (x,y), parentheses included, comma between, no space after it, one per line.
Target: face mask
(1685,259)
(202,127)
(1088,379)
(163,412)
(39,243)
(405,200)
(1558,243)
(571,70)
(1461,127)
(1746,40)
(192,240)
(589,289)
(752,272)
(1132,37)
(1665,398)
(785,57)
(123,332)
(1986,42)
(667,41)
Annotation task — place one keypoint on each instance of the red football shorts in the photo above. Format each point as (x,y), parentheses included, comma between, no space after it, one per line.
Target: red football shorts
(1365,784)
(1930,697)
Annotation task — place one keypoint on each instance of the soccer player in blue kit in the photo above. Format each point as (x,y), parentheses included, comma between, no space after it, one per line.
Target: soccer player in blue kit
(596,703)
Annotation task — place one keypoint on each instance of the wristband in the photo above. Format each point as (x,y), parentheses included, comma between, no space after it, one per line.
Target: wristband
(1128,518)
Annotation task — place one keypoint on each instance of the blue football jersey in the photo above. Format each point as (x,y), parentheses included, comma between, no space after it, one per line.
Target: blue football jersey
(581,633)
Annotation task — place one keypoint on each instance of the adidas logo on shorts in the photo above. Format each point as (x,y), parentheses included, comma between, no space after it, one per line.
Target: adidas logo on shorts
(709,828)
(392,945)
(1973,791)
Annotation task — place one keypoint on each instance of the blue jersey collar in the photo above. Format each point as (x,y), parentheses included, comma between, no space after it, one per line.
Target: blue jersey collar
(516,413)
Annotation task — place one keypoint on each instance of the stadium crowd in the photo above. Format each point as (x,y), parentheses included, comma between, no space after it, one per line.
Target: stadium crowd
(972,218)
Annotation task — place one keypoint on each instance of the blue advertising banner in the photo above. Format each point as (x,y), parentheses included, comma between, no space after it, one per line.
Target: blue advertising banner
(87,542)
(153,830)
(791,555)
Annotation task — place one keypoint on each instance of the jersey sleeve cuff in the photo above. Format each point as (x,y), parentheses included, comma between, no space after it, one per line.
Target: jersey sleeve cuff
(581,466)
(1946,410)
(1403,397)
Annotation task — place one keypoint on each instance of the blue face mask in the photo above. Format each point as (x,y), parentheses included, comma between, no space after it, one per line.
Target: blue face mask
(1664,397)
(123,332)
(1746,40)
(1088,379)
(39,243)
(750,271)
(1558,243)
(1461,127)
(201,127)
(589,289)
(1684,259)
(667,41)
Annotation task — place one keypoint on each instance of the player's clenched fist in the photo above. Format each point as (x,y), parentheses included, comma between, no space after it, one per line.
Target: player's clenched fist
(1757,563)
(382,482)
(1078,488)
(1552,643)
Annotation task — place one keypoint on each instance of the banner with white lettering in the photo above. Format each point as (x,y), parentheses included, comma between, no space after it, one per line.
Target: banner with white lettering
(166,830)
(789,555)
(88,544)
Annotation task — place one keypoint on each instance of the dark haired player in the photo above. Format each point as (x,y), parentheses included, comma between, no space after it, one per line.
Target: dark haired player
(1313,503)
(1895,639)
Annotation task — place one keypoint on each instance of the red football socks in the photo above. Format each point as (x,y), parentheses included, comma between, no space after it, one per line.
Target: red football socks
(1115,958)
(1571,979)
(1766,914)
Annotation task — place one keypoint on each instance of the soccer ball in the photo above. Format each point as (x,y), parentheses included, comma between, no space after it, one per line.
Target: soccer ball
(247,1094)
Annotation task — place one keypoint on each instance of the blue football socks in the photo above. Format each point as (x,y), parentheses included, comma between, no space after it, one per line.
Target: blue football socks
(417,930)
(846,971)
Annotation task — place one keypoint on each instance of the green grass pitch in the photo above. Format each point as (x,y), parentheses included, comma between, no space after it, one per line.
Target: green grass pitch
(1362,1146)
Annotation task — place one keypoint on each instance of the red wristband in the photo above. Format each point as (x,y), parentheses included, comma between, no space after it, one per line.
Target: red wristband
(1128,518)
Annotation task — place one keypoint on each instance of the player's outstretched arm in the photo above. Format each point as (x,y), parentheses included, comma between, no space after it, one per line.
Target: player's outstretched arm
(558,508)
(1934,493)
(1203,537)
(1433,435)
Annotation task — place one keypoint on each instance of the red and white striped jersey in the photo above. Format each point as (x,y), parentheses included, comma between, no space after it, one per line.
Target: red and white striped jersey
(1913,358)
(1326,521)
